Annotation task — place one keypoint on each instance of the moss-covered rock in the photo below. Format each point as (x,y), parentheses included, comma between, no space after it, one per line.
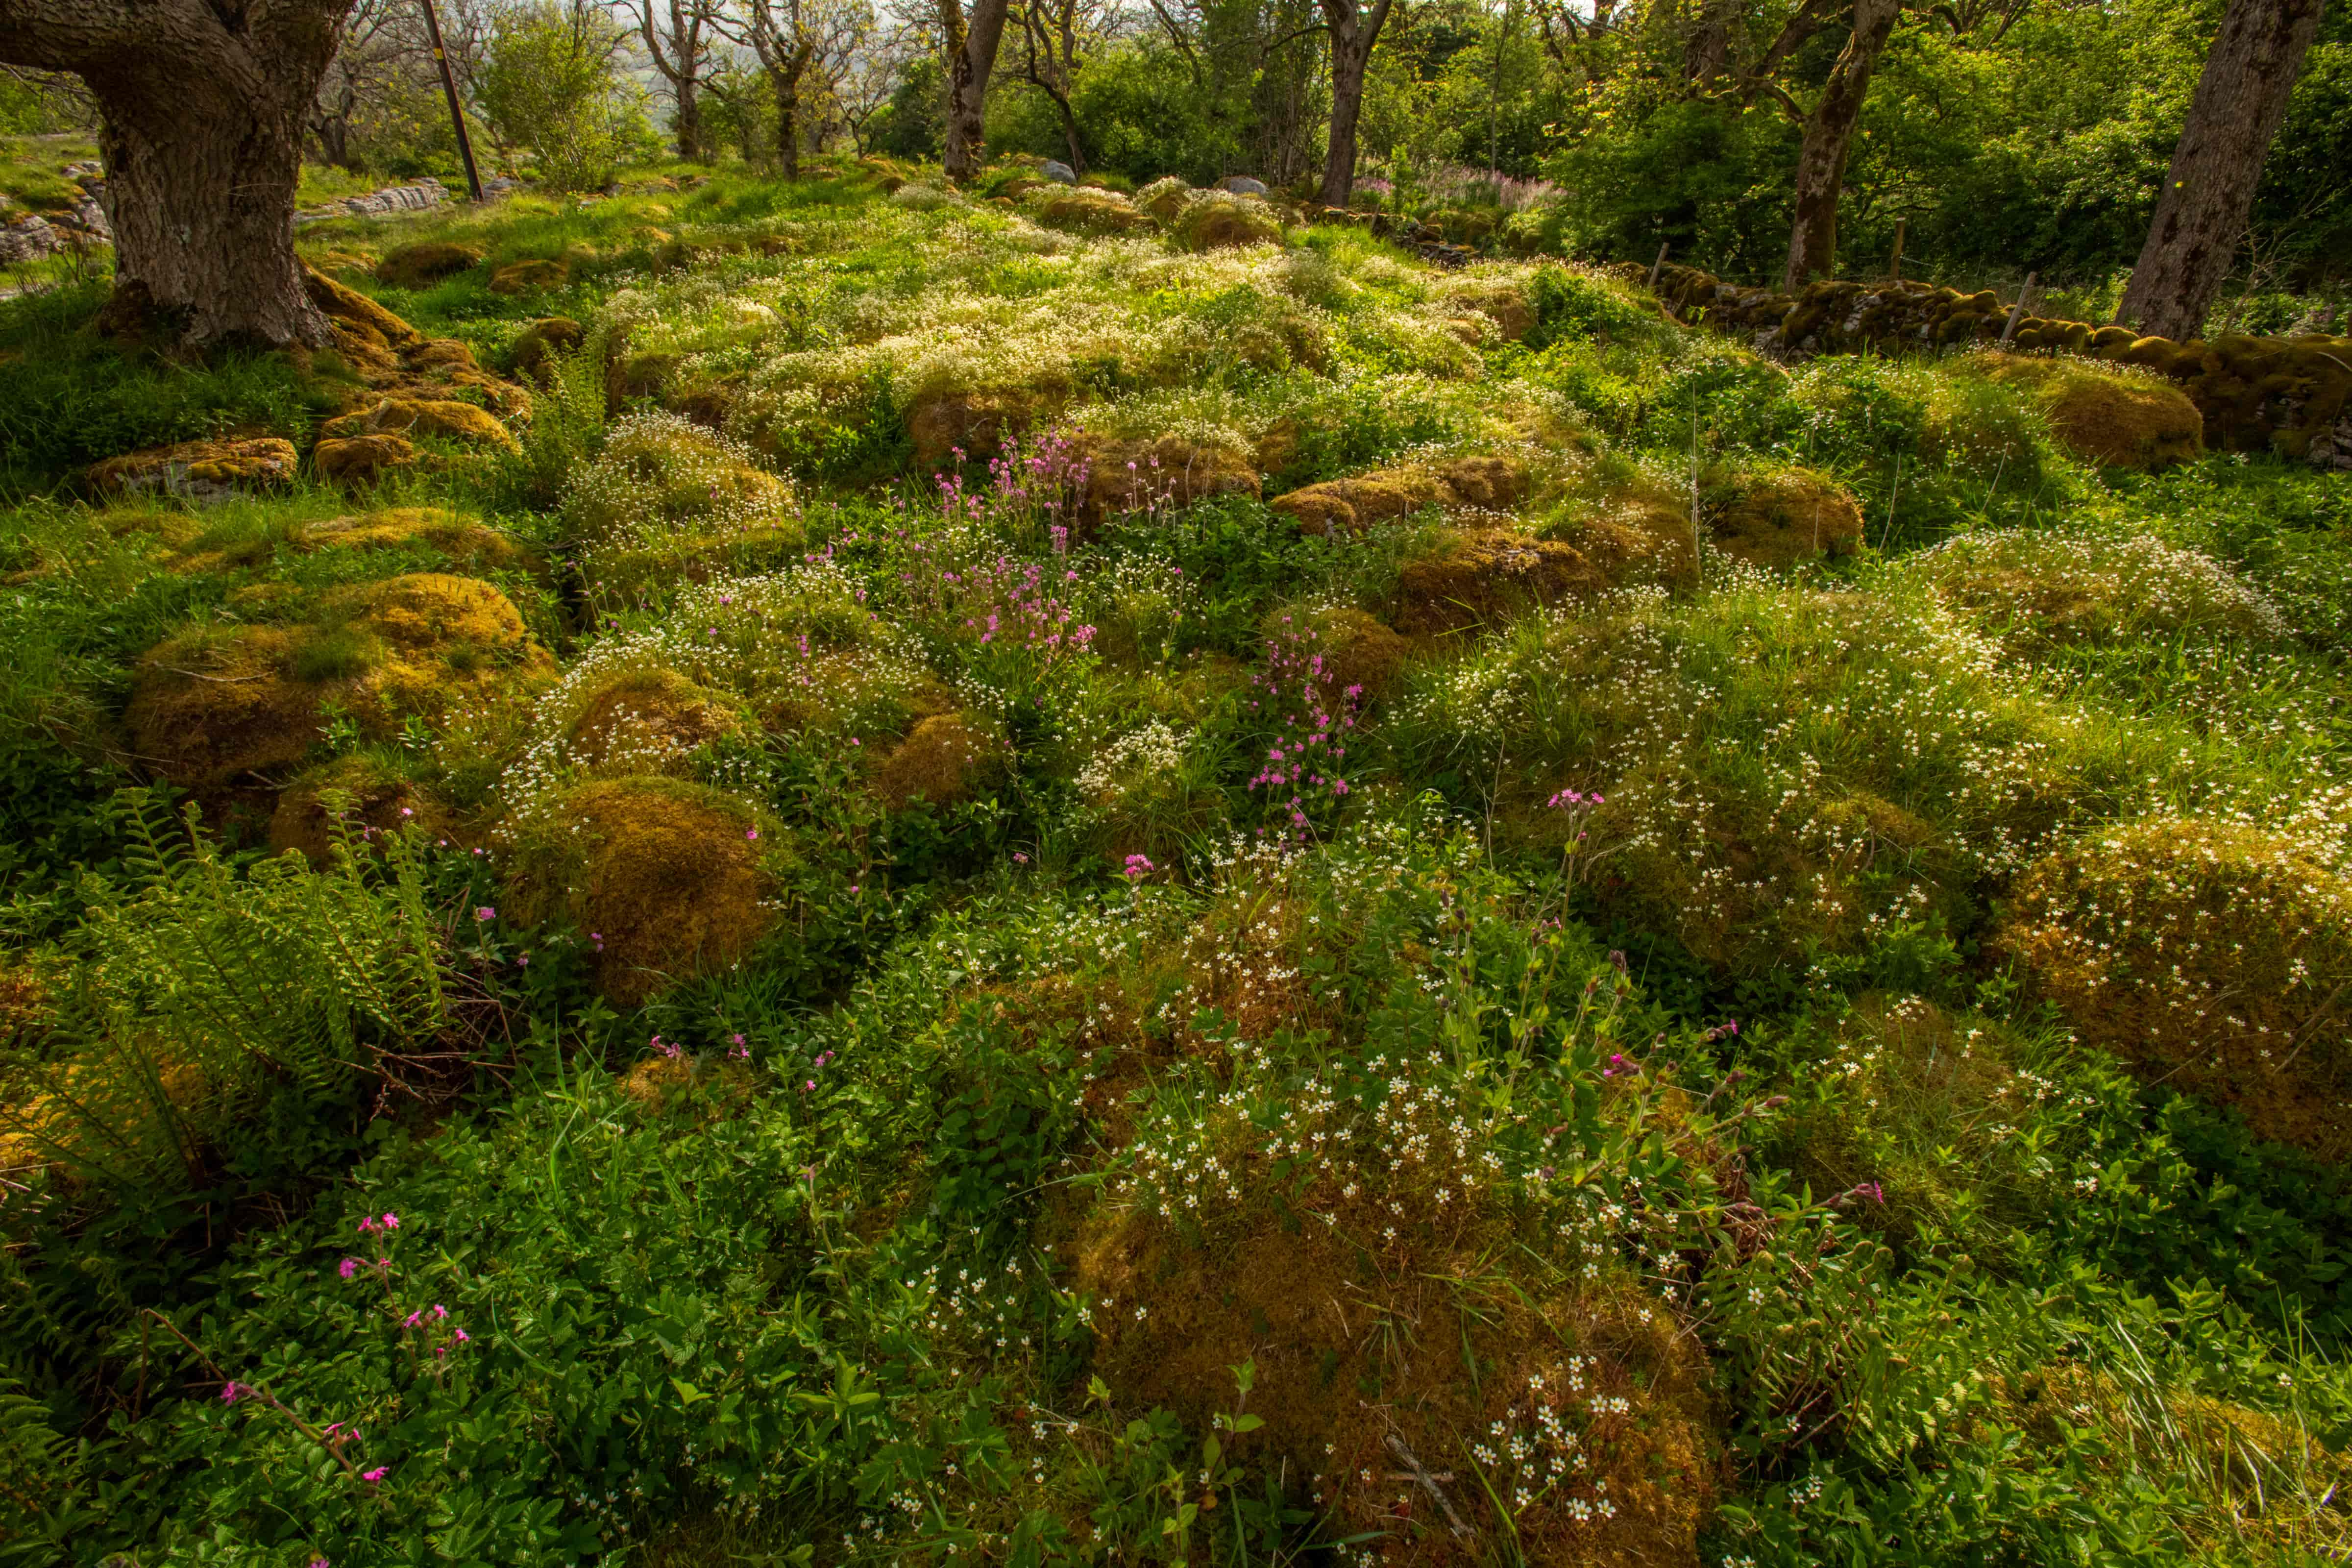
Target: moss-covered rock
(200,471)
(2211,956)
(538,346)
(1219,220)
(1472,579)
(528,277)
(424,263)
(943,760)
(355,461)
(1475,483)
(412,417)
(1780,517)
(665,878)
(2105,417)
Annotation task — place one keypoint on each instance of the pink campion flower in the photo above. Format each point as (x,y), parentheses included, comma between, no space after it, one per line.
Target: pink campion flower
(463,1337)
(232,1391)
(391,1222)
(348,1267)
(439,1311)
(486,912)
(751,833)
(1139,865)
(377,1474)
(413,1319)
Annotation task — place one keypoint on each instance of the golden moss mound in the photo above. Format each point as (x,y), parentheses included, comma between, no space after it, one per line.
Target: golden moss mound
(446,418)
(1160,474)
(941,762)
(207,708)
(463,540)
(424,263)
(2105,415)
(1461,484)
(1084,211)
(2039,587)
(1164,198)
(1219,220)
(668,499)
(642,720)
(1358,1305)
(664,876)
(976,423)
(1781,517)
(538,346)
(210,708)
(373,801)
(2216,958)
(1359,651)
(200,471)
(522,276)
(357,461)
(1473,579)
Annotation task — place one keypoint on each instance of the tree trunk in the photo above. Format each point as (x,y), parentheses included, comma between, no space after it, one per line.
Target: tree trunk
(1354,31)
(202,114)
(1828,132)
(970,60)
(689,122)
(2241,102)
(785,79)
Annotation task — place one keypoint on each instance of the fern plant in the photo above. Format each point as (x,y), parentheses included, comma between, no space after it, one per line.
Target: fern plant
(209,999)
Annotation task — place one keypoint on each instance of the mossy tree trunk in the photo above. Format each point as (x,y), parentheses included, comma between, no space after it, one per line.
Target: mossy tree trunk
(784,75)
(971,43)
(1354,29)
(1829,132)
(202,110)
(2241,102)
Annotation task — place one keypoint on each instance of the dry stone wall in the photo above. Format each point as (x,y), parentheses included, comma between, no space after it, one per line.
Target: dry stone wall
(2291,396)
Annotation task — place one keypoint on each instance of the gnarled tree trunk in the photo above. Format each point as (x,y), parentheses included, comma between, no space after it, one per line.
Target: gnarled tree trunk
(1354,30)
(2241,102)
(1828,132)
(970,59)
(203,110)
(784,73)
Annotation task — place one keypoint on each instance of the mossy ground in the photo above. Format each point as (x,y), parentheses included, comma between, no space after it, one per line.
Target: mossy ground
(1066,826)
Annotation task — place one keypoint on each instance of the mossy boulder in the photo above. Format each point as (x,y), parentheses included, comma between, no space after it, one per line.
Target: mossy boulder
(529,277)
(424,263)
(2106,416)
(211,707)
(1219,220)
(665,876)
(669,500)
(1470,579)
(412,417)
(2037,588)
(2211,956)
(1781,517)
(466,541)
(1164,198)
(200,471)
(977,423)
(1586,1391)
(358,796)
(356,461)
(1476,483)
(538,346)
(647,719)
(1160,474)
(1084,211)
(944,760)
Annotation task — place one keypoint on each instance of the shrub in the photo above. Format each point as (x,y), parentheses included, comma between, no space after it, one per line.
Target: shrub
(549,82)
(2039,587)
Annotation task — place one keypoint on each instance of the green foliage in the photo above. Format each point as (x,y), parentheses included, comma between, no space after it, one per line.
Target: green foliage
(550,82)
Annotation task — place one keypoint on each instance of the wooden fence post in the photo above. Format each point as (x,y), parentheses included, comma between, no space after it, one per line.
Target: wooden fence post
(2018,310)
(1894,267)
(1658,266)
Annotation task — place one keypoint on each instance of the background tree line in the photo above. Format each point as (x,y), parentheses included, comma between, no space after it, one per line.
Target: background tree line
(2198,146)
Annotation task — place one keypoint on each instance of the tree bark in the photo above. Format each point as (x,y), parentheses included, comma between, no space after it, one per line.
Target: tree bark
(678,55)
(1354,30)
(2209,192)
(971,60)
(202,114)
(784,76)
(1828,132)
